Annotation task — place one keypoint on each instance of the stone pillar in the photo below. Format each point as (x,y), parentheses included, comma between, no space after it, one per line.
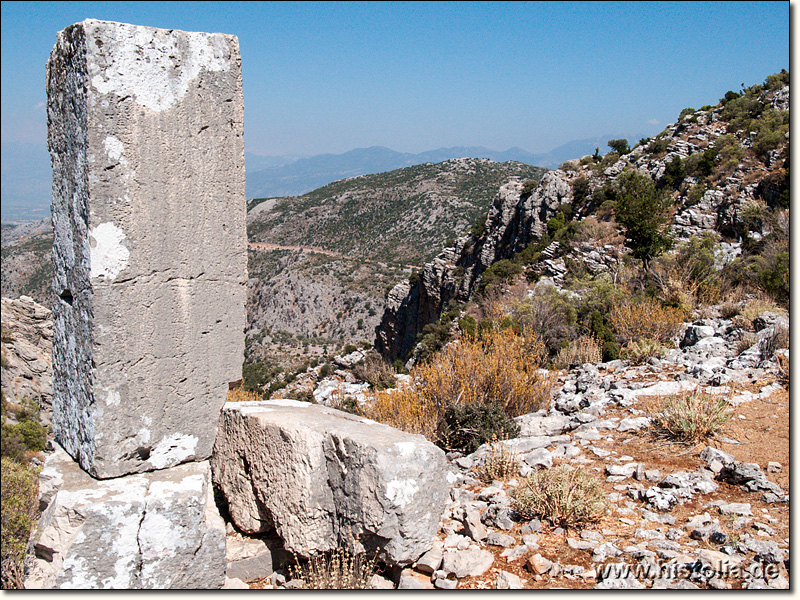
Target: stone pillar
(145,130)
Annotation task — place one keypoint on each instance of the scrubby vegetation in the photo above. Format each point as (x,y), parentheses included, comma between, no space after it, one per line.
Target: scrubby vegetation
(565,496)
(470,390)
(341,569)
(692,417)
(20,442)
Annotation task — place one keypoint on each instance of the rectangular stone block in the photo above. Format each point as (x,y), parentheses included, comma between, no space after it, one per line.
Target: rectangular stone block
(157,530)
(145,130)
(320,477)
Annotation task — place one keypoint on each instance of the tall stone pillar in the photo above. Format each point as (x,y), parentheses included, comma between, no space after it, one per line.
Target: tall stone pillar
(145,130)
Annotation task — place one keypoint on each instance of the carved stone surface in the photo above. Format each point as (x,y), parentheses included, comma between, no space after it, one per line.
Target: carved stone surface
(157,530)
(321,477)
(145,134)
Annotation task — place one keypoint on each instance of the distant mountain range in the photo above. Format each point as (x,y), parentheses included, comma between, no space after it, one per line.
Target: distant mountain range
(25,189)
(306,174)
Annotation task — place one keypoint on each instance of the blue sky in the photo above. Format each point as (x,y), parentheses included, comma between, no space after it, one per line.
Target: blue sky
(330,77)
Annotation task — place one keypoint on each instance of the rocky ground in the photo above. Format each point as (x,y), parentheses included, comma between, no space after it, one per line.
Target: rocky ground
(712,515)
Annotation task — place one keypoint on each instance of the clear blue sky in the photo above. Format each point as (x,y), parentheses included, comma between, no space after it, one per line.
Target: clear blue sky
(322,77)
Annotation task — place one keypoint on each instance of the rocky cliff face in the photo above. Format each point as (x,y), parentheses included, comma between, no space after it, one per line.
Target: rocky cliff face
(717,162)
(515,218)
(27,353)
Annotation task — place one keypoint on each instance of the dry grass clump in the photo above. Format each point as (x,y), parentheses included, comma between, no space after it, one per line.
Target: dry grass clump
(586,349)
(645,319)
(775,340)
(405,409)
(745,341)
(639,351)
(754,308)
(563,495)
(375,371)
(500,368)
(692,417)
(341,569)
(242,395)
(501,462)
(783,369)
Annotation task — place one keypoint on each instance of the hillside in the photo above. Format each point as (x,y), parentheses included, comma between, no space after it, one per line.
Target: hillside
(321,264)
(26,266)
(719,177)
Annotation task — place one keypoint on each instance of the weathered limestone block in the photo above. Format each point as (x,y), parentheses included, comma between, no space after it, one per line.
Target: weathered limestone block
(145,137)
(319,476)
(158,530)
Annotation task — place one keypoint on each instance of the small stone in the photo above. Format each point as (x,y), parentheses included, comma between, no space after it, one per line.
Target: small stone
(653,475)
(533,526)
(718,538)
(445,584)
(503,540)
(409,580)
(538,564)
(588,534)
(513,554)
(431,560)
(508,581)
(530,539)
(234,583)
(736,508)
(773,467)
(580,544)
(465,563)
(380,583)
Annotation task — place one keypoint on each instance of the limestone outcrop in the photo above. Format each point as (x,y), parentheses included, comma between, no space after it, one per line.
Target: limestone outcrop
(320,477)
(158,530)
(513,220)
(145,130)
(27,353)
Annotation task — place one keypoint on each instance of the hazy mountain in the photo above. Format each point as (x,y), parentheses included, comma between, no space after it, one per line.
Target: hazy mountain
(24,182)
(26,169)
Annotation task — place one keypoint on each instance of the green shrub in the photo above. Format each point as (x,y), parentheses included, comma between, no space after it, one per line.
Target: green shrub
(528,186)
(468,326)
(777,80)
(685,113)
(673,174)
(657,146)
(580,190)
(565,496)
(376,372)
(466,428)
(19,504)
(551,314)
(696,192)
(603,333)
(619,146)
(479,226)
(644,211)
(501,272)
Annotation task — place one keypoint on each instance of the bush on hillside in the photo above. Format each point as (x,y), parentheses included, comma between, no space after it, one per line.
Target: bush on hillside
(497,370)
(551,314)
(645,319)
(585,349)
(619,146)
(645,212)
(19,506)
